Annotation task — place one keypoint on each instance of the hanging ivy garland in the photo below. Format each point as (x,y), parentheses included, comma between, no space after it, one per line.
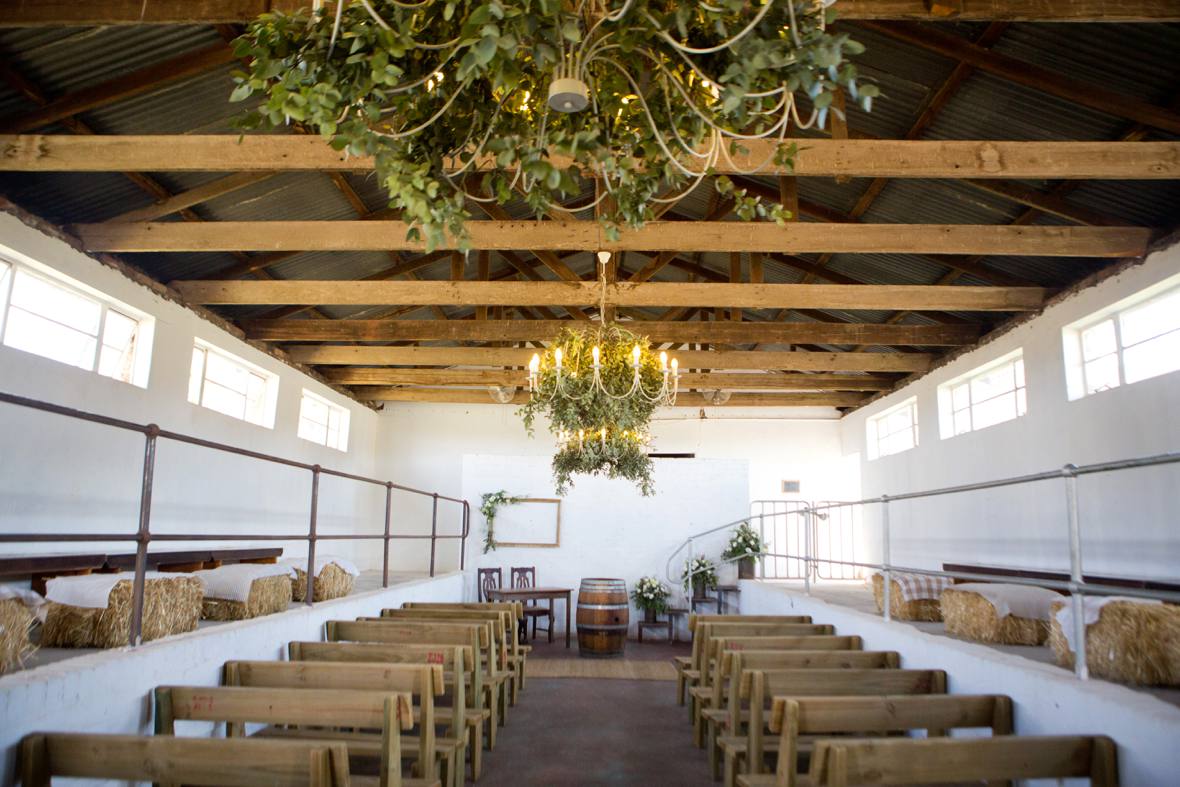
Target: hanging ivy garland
(449,97)
(490,503)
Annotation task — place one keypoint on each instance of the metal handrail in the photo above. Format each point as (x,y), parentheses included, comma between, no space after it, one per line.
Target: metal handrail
(143,535)
(688,542)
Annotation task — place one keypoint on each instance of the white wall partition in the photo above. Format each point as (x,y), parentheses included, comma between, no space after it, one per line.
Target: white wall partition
(1128,518)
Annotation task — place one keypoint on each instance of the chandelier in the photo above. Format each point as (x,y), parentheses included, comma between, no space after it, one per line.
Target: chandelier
(599,387)
(468,103)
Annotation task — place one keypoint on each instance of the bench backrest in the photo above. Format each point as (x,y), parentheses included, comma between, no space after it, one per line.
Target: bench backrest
(514,607)
(234,762)
(702,624)
(501,621)
(710,633)
(935,713)
(386,711)
(695,619)
(838,763)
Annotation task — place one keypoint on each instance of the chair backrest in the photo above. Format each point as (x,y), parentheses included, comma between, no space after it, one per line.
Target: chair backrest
(524,576)
(386,711)
(237,762)
(489,579)
(838,763)
(422,682)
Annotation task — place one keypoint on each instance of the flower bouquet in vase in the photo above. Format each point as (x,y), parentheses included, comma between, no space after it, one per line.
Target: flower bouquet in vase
(700,575)
(651,596)
(744,545)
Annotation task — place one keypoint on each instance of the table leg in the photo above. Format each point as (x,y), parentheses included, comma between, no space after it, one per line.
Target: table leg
(567,620)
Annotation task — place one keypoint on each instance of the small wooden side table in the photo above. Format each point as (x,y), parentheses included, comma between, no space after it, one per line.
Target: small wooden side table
(722,592)
(673,614)
(666,625)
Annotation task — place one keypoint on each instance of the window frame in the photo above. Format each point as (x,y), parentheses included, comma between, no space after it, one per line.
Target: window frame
(1077,378)
(17,265)
(345,424)
(874,438)
(270,382)
(947,410)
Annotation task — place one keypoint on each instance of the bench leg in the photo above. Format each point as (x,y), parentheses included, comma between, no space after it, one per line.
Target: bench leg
(731,769)
(681,689)
(476,750)
(698,730)
(714,750)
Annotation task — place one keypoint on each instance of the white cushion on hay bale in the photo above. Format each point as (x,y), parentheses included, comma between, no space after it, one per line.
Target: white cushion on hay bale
(334,577)
(1127,639)
(912,596)
(19,607)
(95,610)
(245,590)
(999,613)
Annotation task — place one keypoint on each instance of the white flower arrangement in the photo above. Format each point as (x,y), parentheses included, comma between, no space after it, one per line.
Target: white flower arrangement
(699,569)
(745,542)
(651,594)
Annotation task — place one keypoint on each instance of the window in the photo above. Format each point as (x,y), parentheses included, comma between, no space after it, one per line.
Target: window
(322,422)
(984,397)
(1134,340)
(894,430)
(229,385)
(69,323)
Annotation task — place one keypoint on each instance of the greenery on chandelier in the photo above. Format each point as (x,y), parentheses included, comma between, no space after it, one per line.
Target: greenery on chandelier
(430,89)
(598,434)
(744,542)
(489,504)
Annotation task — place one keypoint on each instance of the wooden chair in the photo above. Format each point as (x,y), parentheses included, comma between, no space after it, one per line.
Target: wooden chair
(760,687)
(526,577)
(456,662)
(684,664)
(793,717)
(838,763)
(423,682)
(489,579)
(477,637)
(238,706)
(236,763)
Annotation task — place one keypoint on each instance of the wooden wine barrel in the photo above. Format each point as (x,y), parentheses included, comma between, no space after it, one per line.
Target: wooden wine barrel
(602,617)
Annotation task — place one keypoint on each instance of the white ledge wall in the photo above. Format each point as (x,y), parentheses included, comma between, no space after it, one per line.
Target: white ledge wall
(62,696)
(59,474)
(1046,700)
(1128,518)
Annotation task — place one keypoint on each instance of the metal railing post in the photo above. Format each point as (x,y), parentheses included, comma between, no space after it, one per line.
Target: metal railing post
(433,532)
(887,573)
(762,538)
(808,519)
(1077,597)
(463,540)
(385,541)
(309,593)
(144,533)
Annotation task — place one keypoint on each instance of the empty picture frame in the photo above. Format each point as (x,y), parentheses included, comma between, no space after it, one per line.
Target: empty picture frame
(535,522)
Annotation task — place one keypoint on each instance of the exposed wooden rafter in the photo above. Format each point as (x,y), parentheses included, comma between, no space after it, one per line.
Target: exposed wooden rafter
(481,396)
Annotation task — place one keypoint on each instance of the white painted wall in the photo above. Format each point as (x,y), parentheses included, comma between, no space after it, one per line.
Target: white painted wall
(1046,700)
(1129,519)
(58,474)
(111,690)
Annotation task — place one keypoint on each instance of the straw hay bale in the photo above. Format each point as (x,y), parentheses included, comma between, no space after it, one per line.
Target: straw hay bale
(267,596)
(331,582)
(1129,643)
(16,620)
(972,616)
(170,606)
(927,609)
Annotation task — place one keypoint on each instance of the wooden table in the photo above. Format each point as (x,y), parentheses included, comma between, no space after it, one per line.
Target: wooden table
(529,594)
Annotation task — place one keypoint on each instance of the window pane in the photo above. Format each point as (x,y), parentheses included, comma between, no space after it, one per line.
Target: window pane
(993,383)
(255,398)
(1098,340)
(196,375)
(960,397)
(1102,374)
(1152,358)
(48,300)
(226,373)
(117,357)
(962,422)
(311,430)
(5,274)
(223,400)
(994,411)
(35,334)
(1153,318)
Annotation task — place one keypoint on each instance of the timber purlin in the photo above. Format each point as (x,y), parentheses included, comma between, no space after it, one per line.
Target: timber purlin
(1058,576)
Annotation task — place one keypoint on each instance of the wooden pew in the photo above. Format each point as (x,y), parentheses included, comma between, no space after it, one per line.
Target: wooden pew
(391,632)
(504,625)
(456,664)
(234,762)
(793,717)
(514,608)
(838,763)
(422,682)
(759,687)
(720,711)
(684,664)
(234,705)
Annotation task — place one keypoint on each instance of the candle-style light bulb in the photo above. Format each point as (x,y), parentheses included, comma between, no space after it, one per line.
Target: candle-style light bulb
(535,363)
(663,361)
(602,440)
(675,367)
(635,355)
(557,358)
(595,353)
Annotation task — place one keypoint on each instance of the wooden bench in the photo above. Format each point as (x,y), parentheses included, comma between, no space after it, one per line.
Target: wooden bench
(476,637)
(454,660)
(422,682)
(235,706)
(166,760)
(516,608)
(683,663)
(720,707)
(839,763)
(794,717)
(759,687)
